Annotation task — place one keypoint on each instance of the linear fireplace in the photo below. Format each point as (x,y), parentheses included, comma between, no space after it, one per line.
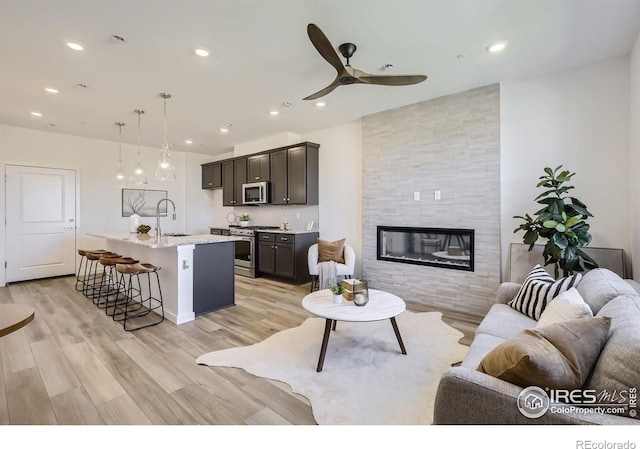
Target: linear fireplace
(436,247)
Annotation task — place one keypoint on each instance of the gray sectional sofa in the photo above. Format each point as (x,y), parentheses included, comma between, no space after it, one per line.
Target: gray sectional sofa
(467,396)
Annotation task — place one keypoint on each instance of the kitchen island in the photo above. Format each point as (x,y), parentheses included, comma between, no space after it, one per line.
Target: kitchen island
(197,271)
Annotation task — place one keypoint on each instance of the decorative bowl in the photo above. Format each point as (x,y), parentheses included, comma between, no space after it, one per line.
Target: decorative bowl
(143,229)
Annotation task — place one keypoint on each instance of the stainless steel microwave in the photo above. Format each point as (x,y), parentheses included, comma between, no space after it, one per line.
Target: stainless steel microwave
(255,193)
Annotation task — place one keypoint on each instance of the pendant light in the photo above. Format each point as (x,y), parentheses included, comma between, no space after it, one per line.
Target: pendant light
(165,170)
(139,176)
(120,175)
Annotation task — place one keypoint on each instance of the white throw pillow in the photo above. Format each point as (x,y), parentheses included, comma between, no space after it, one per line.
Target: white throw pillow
(568,305)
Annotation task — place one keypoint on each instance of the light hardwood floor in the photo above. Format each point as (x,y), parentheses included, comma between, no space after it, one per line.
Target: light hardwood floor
(74,365)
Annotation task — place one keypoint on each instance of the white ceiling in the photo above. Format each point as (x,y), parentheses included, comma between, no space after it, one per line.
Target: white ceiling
(262,57)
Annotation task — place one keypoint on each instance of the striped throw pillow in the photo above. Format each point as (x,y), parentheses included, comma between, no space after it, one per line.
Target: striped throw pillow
(538,289)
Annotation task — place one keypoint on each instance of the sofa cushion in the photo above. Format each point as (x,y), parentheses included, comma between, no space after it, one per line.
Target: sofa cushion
(600,286)
(538,289)
(504,322)
(558,356)
(566,306)
(618,368)
(482,345)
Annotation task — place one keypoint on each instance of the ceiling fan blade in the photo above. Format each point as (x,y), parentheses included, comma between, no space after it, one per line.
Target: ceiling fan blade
(392,80)
(324,47)
(323,92)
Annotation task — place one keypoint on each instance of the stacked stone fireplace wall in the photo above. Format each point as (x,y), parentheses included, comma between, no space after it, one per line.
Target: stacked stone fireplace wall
(450,144)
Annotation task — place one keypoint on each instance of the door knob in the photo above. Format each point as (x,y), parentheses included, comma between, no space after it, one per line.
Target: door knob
(69,227)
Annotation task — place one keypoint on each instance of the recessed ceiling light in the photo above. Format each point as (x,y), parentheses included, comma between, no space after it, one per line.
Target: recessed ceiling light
(52,125)
(461,55)
(321,104)
(75,46)
(497,47)
(286,104)
(188,141)
(51,90)
(81,86)
(201,51)
(36,113)
(118,39)
(274,112)
(224,130)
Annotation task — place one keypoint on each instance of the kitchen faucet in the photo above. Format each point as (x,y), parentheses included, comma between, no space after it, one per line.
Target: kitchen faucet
(158,214)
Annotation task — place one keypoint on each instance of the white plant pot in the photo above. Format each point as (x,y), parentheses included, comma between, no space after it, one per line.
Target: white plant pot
(244,224)
(337,299)
(134,222)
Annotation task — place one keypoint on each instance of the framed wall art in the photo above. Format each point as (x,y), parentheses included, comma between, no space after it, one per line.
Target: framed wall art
(142,202)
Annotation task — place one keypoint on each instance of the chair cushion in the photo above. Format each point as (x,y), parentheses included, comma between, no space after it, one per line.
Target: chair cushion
(538,289)
(566,306)
(600,286)
(328,251)
(558,356)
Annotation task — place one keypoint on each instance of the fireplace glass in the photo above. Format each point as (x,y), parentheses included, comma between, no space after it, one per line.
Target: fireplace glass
(439,247)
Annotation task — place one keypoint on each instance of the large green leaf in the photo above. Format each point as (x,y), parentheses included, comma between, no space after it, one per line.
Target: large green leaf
(550,224)
(572,221)
(560,240)
(560,227)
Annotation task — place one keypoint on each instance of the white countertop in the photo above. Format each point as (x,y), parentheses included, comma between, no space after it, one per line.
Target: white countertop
(151,241)
(280,231)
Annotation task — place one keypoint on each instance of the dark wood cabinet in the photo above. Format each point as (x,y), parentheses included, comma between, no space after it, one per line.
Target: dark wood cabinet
(294,175)
(234,174)
(212,176)
(285,255)
(291,170)
(258,168)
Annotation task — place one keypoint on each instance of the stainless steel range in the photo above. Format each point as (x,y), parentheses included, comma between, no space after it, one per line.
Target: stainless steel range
(246,248)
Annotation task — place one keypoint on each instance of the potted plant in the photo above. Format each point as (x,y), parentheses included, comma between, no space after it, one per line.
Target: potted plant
(244,220)
(337,293)
(562,221)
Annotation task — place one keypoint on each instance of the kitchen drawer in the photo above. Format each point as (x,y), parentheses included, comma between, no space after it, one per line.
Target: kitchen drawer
(285,238)
(266,237)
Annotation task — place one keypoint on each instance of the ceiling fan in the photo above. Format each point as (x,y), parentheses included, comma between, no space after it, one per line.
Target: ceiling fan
(346,74)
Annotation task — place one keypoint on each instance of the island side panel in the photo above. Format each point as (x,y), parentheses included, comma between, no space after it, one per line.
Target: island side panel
(176,276)
(213,277)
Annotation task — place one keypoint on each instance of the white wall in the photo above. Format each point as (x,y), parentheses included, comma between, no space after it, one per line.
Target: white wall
(634,126)
(98,192)
(577,118)
(340,184)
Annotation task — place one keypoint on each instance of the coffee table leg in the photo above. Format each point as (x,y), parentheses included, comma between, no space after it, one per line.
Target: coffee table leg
(334,324)
(397,331)
(325,341)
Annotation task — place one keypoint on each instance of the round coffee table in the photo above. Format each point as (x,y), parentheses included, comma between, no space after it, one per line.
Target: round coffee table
(381,306)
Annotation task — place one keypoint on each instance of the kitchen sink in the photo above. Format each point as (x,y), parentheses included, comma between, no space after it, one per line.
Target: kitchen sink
(175,234)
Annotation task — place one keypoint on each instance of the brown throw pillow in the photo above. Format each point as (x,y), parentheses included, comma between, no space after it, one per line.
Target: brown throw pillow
(331,251)
(559,355)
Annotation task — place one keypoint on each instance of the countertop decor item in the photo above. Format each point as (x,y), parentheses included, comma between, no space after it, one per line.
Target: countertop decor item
(244,220)
(143,229)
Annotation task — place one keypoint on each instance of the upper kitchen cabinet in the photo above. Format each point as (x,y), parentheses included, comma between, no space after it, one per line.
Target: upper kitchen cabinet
(212,175)
(234,174)
(258,168)
(294,174)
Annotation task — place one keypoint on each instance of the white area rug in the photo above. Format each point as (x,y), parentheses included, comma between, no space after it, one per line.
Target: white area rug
(365,378)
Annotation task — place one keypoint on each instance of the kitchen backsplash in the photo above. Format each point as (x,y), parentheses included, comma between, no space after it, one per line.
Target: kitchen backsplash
(297,217)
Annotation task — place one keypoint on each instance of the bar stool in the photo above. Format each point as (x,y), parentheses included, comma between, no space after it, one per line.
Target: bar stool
(93,279)
(110,284)
(83,253)
(137,305)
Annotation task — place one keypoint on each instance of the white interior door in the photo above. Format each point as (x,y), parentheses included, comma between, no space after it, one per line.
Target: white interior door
(41,222)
